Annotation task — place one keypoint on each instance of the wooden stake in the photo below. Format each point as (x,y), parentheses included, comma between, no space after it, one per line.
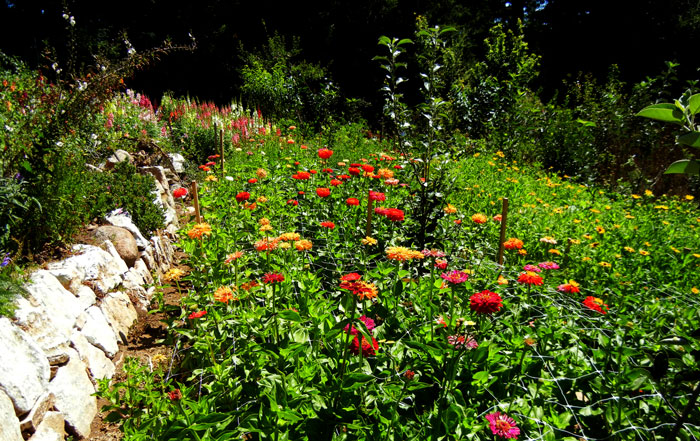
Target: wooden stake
(504,218)
(368,230)
(221,151)
(197,214)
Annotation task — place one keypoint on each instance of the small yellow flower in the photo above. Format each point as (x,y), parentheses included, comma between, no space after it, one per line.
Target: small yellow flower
(604,264)
(586,259)
(502,280)
(211,178)
(369,241)
(577,221)
(647,244)
(661,207)
(594,210)
(264,221)
(522,252)
(629,249)
(450,209)
(262,199)
(284,245)
(587,236)
(555,251)
(694,290)
(173,275)
(675,250)
(265,228)
(600,230)
(648,193)
(628,216)
(644,252)
(500,154)
(636,196)
(574,241)
(689,197)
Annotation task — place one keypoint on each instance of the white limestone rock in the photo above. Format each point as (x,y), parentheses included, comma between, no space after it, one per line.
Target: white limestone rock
(119,312)
(178,162)
(142,270)
(98,332)
(9,429)
(31,422)
(102,268)
(73,390)
(100,366)
(52,428)
(86,297)
(24,368)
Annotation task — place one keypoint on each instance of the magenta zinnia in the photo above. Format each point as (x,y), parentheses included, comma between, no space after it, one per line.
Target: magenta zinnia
(273,278)
(485,302)
(368,349)
(455,276)
(502,425)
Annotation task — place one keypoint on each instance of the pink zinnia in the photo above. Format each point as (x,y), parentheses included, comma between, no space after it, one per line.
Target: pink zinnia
(376,196)
(369,323)
(502,425)
(548,265)
(532,268)
(455,276)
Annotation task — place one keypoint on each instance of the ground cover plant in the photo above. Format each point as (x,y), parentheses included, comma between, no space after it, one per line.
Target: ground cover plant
(309,311)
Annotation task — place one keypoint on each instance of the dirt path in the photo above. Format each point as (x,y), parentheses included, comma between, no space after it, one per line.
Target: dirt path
(144,342)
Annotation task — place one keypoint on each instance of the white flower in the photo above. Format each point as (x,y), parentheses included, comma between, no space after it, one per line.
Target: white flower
(229,178)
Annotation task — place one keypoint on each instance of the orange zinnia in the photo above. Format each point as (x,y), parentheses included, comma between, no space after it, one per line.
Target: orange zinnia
(513,243)
(530,278)
(199,230)
(403,253)
(223,294)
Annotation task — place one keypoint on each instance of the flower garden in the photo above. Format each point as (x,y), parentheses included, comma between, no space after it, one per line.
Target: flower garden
(328,298)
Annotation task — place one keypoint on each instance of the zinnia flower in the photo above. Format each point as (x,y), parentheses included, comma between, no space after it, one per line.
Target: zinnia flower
(175,395)
(273,278)
(351,277)
(242,196)
(548,265)
(433,253)
(233,256)
(303,245)
(368,169)
(402,253)
(266,244)
(571,287)
(440,264)
(595,304)
(530,278)
(180,193)
(173,275)
(197,314)
(223,294)
(532,268)
(289,237)
(369,323)
(336,182)
(502,425)
(513,243)
(394,215)
(368,349)
(450,209)
(261,173)
(479,218)
(252,181)
(328,224)
(199,230)
(485,302)
(323,192)
(325,153)
(369,241)
(353,201)
(462,342)
(301,176)
(376,196)
(363,290)
(455,276)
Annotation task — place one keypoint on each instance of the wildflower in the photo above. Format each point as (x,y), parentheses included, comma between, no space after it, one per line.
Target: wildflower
(292,202)
(479,218)
(605,264)
(409,374)
(530,278)
(502,425)
(328,224)
(548,265)
(532,268)
(694,290)
(402,253)
(450,209)
(644,252)
(433,253)
(303,245)
(513,243)
(173,275)
(376,196)
(252,181)
(648,193)
(440,264)
(394,215)
(440,321)
(689,197)
(497,218)
(571,287)
(199,230)
(175,395)
(368,349)
(363,290)
(242,196)
(549,240)
(462,342)
(180,193)
(272,278)
(233,256)
(369,324)
(323,192)
(325,153)
(223,294)
(485,302)
(595,304)
(600,230)
(266,244)
(455,276)
(502,280)
(369,241)
(352,201)
(196,315)
(555,251)
(261,173)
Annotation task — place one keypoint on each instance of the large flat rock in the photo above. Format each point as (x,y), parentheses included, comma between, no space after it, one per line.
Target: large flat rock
(98,332)
(9,424)
(73,390)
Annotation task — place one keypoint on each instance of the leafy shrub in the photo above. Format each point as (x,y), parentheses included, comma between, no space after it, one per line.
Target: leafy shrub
(124,187)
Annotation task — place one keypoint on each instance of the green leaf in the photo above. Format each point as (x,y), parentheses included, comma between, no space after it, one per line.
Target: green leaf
(290,315)
(666,112)
(694,104)
(585,123)
(686,166)
(404,41)
(691,138)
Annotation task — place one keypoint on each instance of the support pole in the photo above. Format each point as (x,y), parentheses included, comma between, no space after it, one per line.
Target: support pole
(221,151)
(197,213)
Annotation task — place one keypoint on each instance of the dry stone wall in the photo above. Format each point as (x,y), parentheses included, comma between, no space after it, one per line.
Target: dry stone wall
(67,330)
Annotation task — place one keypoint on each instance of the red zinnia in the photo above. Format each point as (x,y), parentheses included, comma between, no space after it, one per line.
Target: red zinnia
(485,302)
(352,277)
(175,395)
(353,201)
(273,278)
(328,224)
(354,171)
(323,192)
(335,182)
(242,196)
(196,315)
(301,176)
(325,153)
(394,214)
(530,278)
(595,304)
(292,202)
(252,181)
(376,196)
(368,349)
(180,192)
(367,168)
